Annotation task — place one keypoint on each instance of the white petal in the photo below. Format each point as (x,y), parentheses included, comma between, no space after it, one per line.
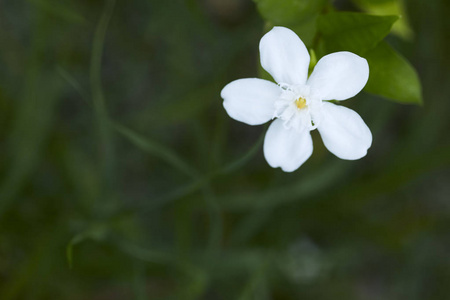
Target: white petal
(339,76)
(250,100)
(286,148)
(284,56)
(344,132)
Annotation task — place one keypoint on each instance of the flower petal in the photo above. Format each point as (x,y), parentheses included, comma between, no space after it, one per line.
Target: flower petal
(286,148)
(284,56)
(344,132)
(339,76)
(250,100)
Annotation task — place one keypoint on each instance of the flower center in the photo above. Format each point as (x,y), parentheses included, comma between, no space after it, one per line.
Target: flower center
(300,103)
(297,108)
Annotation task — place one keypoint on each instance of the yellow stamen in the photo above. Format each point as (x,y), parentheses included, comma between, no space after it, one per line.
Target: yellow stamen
(300,102)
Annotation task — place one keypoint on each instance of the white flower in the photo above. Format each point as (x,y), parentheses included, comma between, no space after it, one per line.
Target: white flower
(299,103)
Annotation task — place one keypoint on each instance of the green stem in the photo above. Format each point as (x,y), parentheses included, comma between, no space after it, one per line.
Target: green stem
(98,99)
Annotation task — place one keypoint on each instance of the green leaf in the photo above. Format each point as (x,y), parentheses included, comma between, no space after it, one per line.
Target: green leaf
(392,76)
(389,7)
(354,32)
(288,11)
(298,15)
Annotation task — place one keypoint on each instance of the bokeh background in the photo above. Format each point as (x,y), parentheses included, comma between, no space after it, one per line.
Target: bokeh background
(122,177)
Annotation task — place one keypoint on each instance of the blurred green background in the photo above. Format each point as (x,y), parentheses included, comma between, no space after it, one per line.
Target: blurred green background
(122,177)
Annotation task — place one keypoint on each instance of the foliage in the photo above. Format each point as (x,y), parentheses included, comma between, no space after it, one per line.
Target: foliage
(121,177)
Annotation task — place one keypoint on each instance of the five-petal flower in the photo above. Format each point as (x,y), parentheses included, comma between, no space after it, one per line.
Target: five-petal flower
(300,104)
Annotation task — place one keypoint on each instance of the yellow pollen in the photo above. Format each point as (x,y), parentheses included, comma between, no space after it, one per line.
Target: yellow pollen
(300,102)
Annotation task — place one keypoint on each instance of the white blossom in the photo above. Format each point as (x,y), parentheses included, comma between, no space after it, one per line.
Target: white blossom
(300,104)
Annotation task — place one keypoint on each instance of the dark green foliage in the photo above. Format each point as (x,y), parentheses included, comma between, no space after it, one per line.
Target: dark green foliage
(391,75)
(299,15)
(122,177)
(354,32)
